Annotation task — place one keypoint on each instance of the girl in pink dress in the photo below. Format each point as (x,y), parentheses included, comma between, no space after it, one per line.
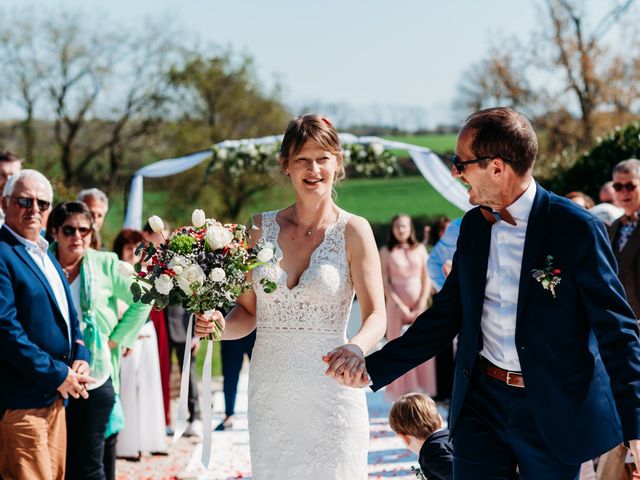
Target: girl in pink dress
(407,288)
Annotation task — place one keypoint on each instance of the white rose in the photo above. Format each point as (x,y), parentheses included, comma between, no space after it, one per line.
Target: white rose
(126,269)
(178,261)
(155,222)
(163,284)
(218,237)
(198,218)
(222,154)
(268,245)
(377,149)
(177,269)
(217,275)
(265,254)
(190,275)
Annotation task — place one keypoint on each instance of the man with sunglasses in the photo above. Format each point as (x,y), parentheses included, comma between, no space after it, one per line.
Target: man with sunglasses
(547,372)
(10,164)
(625,240)
(43,360)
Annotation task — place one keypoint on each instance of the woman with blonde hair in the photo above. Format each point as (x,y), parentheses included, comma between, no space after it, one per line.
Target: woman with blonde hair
(302,423)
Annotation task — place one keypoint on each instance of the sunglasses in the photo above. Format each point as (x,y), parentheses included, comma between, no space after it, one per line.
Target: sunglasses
(461,164)
(629,186)
(69,231)
(26,203)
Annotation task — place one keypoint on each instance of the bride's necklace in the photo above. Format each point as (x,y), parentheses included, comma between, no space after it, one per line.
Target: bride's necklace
(309,229)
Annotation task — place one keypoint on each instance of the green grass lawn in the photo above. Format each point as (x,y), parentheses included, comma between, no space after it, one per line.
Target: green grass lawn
(379,199)
(439,143)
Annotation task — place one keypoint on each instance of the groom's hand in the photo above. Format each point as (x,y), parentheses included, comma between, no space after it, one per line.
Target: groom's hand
(347,365)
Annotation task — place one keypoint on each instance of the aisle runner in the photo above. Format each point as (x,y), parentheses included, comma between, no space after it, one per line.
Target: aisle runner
(230,455)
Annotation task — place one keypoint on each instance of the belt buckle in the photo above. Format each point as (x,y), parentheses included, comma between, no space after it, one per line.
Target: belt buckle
(508,381)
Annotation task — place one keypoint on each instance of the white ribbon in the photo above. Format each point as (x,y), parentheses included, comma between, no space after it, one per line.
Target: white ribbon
(181,420)
(206,408)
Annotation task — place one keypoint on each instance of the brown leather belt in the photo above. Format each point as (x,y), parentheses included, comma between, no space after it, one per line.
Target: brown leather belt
(514,379)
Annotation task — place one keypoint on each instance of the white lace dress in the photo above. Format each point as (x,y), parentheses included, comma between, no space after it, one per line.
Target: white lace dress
(303,424)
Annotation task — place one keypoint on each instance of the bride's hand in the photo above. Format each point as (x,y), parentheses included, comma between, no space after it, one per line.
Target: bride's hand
(347,365)
(206,323)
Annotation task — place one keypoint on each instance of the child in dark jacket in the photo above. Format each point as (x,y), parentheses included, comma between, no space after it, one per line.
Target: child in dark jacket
(415,419)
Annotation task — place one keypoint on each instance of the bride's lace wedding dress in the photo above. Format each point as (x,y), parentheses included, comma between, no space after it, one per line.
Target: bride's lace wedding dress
(303,424)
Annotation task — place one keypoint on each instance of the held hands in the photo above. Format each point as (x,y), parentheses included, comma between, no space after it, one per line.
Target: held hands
(206,323)
(76,383)
(347,366)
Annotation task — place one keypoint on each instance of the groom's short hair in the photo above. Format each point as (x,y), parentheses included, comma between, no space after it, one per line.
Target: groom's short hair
(415,414)
(503,132)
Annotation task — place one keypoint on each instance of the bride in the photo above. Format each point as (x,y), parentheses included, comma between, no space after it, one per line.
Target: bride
(302,424)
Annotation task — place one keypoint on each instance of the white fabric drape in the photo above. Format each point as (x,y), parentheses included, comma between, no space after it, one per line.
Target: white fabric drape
(430,165)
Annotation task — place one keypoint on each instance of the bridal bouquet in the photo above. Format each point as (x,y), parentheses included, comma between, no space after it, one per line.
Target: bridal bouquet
(201,267)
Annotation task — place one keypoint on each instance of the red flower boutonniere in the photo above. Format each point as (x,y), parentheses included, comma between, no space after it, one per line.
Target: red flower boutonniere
(548,277)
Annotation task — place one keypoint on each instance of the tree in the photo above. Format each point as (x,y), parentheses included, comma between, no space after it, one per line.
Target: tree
(581,54)
(221,99)
(21,81)
(585,87)
(102,89)
(500,79)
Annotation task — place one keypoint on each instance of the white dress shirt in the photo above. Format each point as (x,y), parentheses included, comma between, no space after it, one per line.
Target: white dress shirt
(503,279)
(38,252)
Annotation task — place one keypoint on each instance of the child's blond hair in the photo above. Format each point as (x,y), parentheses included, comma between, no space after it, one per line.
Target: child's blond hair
(415,414)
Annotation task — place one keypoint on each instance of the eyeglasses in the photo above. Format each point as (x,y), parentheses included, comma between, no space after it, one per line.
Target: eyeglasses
(69,231)
(629,186)
(461,164)
(26,203)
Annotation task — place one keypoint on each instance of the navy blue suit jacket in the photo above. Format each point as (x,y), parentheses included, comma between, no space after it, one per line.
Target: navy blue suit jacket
(579,352)
(35,350)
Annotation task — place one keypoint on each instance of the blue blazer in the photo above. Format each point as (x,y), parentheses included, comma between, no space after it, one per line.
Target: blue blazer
(579,352)
(35,350)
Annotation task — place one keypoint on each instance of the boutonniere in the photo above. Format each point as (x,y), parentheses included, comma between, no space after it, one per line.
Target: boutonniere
(548,277)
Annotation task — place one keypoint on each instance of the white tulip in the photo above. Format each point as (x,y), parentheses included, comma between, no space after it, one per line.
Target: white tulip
(217,275)
(155,222)
(218,237)
(163,284)
(198,218)
(126,269)
(265,254)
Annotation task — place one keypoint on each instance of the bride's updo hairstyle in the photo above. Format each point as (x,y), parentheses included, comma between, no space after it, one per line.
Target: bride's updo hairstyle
(311,127)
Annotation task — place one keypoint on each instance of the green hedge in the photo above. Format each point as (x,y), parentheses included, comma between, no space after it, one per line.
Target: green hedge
(594,168)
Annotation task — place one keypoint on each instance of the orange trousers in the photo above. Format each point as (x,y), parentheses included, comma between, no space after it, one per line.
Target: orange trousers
(33,443)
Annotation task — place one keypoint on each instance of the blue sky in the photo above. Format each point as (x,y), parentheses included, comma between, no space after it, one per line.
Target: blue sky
(367,53)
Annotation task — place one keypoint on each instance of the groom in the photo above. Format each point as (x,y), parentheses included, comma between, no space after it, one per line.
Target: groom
(548,365)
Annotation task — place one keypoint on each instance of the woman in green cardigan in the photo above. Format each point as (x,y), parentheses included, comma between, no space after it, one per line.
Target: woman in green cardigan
(96,286)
